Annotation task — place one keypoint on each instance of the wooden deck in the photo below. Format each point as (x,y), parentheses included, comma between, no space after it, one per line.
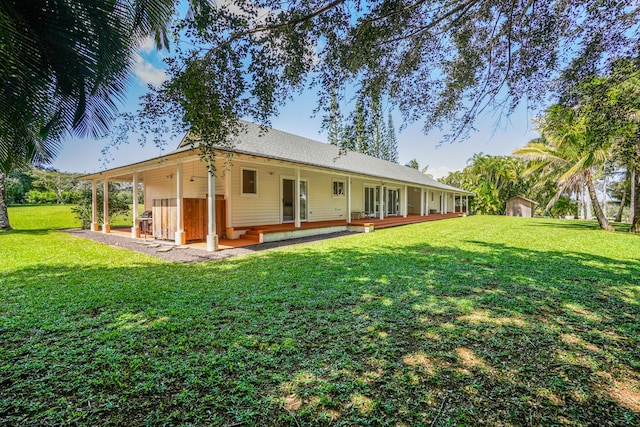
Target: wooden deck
(255,234)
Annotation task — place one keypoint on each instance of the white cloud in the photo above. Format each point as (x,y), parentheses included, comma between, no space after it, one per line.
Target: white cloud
(148,45)
(147,72)
(440,171)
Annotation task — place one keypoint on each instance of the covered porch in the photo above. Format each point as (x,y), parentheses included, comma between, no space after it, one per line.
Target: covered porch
(259,234)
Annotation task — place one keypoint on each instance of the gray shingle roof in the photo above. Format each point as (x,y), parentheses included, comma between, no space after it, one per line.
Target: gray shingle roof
(276,144)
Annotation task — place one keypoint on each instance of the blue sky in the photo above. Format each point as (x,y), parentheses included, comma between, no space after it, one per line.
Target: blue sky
(494,136)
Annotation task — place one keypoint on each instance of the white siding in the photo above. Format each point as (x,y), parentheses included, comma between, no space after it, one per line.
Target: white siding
(264,207)
(323,206)
(161,183)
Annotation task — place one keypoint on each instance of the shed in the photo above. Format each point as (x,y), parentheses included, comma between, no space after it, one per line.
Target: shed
(521,206)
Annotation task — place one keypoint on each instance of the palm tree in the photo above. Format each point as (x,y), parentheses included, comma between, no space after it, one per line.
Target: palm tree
(413,164)
(24,151)
(569,153)
(64,65)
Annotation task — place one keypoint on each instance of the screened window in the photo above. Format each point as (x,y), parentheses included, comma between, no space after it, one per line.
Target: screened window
(249,181)
(338,188)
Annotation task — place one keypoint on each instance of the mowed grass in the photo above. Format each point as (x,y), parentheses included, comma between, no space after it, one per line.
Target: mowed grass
(55,217)
(469,321)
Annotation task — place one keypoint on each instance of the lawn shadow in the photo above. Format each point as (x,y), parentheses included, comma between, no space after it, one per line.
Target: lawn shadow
(413,334)
(575,224)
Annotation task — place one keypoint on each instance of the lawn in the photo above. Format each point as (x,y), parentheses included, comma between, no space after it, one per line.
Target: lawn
(55,217)
(469,321)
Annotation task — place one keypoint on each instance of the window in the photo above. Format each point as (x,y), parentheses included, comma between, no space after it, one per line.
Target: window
(432,196)
(249,181)
(338,188)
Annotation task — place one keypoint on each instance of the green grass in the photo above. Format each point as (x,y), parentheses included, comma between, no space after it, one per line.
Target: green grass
(478,320)
(55,217)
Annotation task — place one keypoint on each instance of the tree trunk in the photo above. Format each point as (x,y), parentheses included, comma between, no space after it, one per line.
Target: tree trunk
(623,199)
(4,212)
(632,204)
(602,219)
(635,197)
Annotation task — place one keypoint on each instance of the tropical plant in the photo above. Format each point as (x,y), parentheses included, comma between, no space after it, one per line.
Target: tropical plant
(571,152)
(494,180)
(441,62)
(64,66)
(119,203)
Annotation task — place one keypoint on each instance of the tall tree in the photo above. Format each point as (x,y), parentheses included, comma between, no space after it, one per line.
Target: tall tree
(442,62)
(570,151)
(334,124)
(64,65)
(390,151)
(360,137)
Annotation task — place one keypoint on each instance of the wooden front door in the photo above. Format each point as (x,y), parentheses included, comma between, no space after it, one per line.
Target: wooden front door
(195,219)
(221,216)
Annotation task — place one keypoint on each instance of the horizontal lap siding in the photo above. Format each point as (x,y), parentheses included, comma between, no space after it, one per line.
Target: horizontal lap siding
(435,204)
(263,208)
(322,205)
(161,183)
(357,195)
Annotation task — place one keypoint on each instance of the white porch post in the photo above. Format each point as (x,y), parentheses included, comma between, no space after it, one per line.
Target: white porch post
(94,206)
(229,204)
(445,196)
(348,200)
(405,203)
(106,228)
(297,197)
(212,236)
(179,236)
(466,203)
(135,228)
(422,202)
(426,205)
(382,201)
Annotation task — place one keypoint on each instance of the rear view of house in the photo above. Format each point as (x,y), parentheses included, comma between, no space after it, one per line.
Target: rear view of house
(283,184)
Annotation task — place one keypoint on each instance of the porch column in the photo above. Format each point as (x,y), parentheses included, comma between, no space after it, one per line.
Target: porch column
(422,202)
(466,203)
(426,205)
(106,228)
(405,203)
(381,207)
(179,236)
(94,205)
(445,195)
(135,228)
(348,200)
(296,195)
(212,236)
(229,204)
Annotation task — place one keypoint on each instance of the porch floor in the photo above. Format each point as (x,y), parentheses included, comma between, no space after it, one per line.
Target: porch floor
(392,221)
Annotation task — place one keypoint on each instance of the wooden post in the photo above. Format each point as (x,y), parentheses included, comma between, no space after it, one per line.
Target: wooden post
(94,205)
(106,228)
(348,200)
(228,204)
(405,202)
(135,228)
(179,235)
(212,236)
(381,205)
(296,195)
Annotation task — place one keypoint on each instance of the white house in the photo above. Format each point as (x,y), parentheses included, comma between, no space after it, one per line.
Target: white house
(272,186)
